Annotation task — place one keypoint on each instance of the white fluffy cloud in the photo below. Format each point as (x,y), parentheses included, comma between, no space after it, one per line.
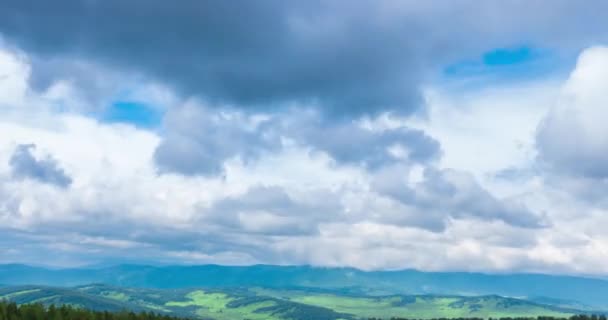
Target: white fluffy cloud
(302,196)
(573,136)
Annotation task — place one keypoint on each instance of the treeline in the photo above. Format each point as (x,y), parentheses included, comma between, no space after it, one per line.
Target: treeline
(37,311)
(575,317)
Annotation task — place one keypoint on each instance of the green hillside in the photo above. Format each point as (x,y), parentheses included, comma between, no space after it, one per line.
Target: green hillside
(566,291)
(263,303)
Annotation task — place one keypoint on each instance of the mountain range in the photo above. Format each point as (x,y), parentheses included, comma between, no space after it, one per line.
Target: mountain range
(566,291)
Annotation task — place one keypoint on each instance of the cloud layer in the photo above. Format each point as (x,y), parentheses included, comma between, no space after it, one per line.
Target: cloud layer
(325,133)
(347,59)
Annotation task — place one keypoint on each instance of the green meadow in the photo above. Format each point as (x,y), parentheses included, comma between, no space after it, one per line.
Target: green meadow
(277,304)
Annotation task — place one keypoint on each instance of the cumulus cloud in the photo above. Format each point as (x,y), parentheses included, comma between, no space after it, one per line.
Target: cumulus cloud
(572,137)
(25,165)
(286,137)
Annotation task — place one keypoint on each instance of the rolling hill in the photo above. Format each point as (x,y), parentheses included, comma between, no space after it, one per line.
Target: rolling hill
(275,304)
(567,291)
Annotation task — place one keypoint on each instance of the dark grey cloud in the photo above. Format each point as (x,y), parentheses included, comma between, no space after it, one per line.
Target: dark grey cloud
(271,210)
(347,58)
(95,87)
(25,165)
(254,54)
(199,140)
(348,142)
(451,194)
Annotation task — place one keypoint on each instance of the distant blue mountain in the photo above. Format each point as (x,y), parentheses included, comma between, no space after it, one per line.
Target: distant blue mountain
(586,291)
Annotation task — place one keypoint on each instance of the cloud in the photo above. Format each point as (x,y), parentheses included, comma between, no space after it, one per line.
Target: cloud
(199,140)
(24,165)
(287,136)
(346,59)
(14,72)
(271,210)
(277,54)
(572,137)
(350,142)
(448,194)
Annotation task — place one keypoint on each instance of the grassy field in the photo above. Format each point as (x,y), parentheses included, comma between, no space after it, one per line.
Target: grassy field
(274,304)
(14,294)
(426,307)
(217,306)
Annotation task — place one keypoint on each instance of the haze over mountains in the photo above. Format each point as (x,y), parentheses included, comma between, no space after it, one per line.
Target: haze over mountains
(563,290)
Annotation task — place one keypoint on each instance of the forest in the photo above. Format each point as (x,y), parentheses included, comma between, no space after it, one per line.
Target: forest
(575,317)
(38,311)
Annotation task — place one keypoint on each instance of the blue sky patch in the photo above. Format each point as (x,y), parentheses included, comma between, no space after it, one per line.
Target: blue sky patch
(505,57)
(135,113)
(504,62)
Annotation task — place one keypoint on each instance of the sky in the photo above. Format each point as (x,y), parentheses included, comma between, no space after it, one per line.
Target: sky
(440,136)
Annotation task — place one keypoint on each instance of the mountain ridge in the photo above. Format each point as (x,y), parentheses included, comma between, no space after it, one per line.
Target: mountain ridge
(583,290)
